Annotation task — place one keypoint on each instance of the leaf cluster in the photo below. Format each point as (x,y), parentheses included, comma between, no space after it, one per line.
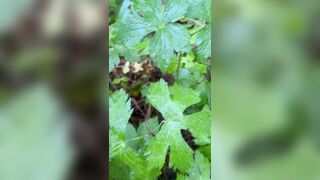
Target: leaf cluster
(175,35)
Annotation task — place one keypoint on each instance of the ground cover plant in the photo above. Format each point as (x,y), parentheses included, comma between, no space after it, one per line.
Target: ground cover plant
(159,89)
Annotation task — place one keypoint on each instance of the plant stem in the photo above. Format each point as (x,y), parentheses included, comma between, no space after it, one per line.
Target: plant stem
(164,173)
(136,138)
(137,106)
(197,30)
(140,137)
(178,68)
(147,123)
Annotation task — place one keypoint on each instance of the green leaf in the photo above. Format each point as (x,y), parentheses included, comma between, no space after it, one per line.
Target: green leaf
(130,134)
(120,80)
(156,30)
(180,152)
(150,125)
(206,151)
(192,74)
(158,17)
(200,168)
(131,30)
(120,138)
(124,10)
(201,9)
(171,38)
(200,126)
(159,12)
(130,54)
(132,159)
(172,66)
(183,96)
(119,114)
(175,9)
(119,111)
(159,95)
(117,170)
(135,162)
(34,130)
(203,41)
(113,59)
(115,140)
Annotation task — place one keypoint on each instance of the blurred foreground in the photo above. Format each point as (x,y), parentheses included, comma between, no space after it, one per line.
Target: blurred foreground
(266,91)
(53,121)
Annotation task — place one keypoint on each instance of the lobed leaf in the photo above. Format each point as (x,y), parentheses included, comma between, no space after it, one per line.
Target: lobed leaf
(201,9)
(113,59)
(167,40)
(119,111)
(203,41)
(154,16)
(131,30)
(180,152)
(183,96)
(200,169)
(170,137)
(200,125)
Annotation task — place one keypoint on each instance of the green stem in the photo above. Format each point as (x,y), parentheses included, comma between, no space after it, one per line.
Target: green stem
(178,68)
(137,138)
(197,30)
(140,137)
(147,123)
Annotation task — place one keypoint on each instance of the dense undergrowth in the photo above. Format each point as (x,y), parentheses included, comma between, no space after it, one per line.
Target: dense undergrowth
(159,89)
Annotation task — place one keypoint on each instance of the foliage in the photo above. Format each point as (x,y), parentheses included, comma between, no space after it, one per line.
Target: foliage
(175,36)
(34,131)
